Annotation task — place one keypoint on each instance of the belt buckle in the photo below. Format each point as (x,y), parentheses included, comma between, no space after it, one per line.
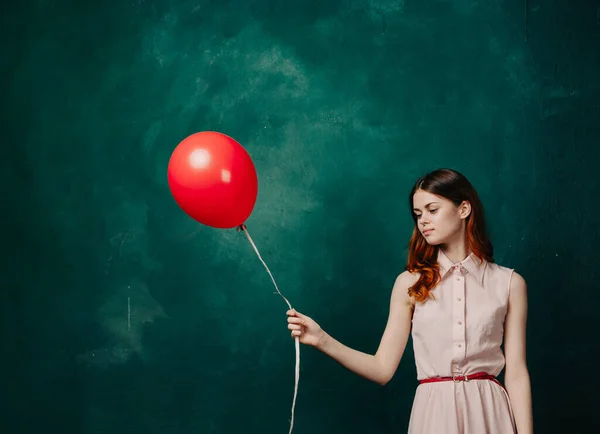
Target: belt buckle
(456,380)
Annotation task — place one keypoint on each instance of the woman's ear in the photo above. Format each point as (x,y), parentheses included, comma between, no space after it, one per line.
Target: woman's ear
(465,209)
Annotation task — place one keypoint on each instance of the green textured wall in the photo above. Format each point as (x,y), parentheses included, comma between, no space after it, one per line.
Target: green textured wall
(121,315)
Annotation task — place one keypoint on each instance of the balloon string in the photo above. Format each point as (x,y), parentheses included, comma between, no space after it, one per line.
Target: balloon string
(297,339)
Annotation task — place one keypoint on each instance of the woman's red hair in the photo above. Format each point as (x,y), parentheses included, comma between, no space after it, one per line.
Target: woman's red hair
(422,257)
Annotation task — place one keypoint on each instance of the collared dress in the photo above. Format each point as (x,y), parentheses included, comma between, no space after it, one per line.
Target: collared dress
(460,332)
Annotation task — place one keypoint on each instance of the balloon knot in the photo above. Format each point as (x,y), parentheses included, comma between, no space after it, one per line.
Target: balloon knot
(241,227)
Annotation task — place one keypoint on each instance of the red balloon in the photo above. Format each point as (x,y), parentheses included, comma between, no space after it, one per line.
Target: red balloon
(213,179)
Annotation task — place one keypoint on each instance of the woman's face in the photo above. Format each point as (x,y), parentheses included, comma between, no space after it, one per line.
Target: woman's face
(438,219)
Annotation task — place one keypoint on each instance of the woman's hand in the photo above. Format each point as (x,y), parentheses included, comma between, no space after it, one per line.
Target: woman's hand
(304,327)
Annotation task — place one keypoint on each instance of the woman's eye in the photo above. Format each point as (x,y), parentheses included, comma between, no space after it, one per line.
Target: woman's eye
(433,211)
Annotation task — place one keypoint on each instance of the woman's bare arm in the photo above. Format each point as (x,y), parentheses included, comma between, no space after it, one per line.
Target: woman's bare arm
(517,375)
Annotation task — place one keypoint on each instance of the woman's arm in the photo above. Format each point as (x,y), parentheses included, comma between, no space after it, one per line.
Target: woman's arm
(382,366)
(517,375)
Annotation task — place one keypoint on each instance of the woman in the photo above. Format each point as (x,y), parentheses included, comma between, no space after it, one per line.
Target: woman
(461,305)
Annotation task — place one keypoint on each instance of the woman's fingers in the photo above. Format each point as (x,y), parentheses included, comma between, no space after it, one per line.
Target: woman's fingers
(294,312)
(297,323)
(296,330)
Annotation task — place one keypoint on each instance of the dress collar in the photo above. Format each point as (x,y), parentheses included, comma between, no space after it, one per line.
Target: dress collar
(472,264)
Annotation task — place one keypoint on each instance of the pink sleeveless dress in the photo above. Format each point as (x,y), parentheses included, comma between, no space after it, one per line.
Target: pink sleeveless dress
(460,332)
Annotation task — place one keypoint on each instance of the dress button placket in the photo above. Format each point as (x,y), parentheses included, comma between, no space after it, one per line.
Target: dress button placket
(459,311)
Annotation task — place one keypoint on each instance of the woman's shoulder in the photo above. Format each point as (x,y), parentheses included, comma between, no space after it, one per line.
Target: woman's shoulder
(408,278)
(514,278)
(496,267)
(403,282)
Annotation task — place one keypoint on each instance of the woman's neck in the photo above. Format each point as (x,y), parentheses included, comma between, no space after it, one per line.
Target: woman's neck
(456,251)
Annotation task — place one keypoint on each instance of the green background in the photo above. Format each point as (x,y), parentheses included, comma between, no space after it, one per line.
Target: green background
(342,104)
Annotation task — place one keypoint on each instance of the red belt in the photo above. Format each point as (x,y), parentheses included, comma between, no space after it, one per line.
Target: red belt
(459,378)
